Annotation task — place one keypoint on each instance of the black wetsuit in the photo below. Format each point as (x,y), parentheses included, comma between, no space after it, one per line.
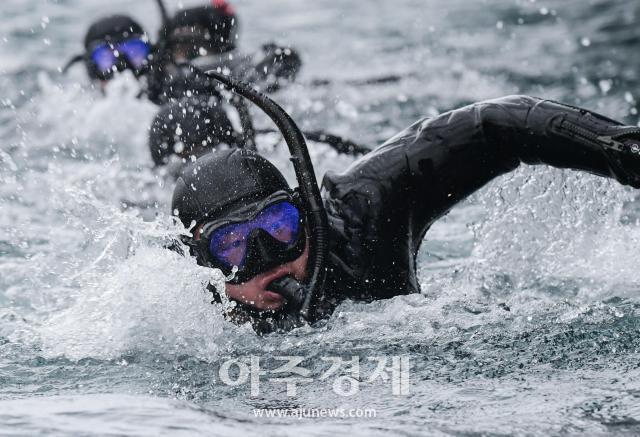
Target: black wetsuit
(178,87)
(274,67)
(278,66)
(381,207)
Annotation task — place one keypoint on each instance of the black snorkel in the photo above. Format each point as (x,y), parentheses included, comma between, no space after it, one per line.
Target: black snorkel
(160,58)
(300,297)
(163,11)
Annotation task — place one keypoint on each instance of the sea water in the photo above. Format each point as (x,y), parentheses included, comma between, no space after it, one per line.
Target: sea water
(529,316)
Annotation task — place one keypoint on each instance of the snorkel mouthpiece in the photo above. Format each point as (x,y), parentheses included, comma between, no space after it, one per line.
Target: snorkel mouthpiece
(301,297)
(290,289)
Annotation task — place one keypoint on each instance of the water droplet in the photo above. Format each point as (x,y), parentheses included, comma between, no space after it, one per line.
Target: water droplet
(628,97)
(605,85)
(586,42)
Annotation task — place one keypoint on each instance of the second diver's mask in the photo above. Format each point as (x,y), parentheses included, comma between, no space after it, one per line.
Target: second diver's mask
(112,44)
(106,58)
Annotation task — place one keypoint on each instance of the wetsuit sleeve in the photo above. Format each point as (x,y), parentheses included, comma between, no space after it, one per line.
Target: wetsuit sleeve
(382,206)
(453,155)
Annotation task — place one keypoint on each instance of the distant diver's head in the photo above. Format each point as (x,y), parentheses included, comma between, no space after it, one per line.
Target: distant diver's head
(189,127)
(203,30)
(244,218)
(114,44)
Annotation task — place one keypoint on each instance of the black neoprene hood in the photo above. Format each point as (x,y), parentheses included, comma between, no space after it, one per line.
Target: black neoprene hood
(222,181)
(114,28)
(220,27)
(197,123)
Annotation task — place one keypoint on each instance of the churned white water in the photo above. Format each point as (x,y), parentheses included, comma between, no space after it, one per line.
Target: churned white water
(529,319)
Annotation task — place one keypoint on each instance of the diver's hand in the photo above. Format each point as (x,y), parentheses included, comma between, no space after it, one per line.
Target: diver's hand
(279,64)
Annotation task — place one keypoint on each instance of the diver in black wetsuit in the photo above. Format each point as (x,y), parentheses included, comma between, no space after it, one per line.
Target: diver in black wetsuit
(205,37)
(193,118)
(242,213)
(202,37)
(195,109)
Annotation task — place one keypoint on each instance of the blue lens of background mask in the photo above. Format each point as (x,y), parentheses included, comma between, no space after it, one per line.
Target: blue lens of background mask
(228,244)
(104,58)
(136,51)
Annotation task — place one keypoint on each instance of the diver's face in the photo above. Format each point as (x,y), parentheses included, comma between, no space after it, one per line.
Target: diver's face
(255,292)
(184,52)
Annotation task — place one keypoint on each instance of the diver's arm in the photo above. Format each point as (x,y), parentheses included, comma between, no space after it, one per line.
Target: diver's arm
(382,205)
(451,156)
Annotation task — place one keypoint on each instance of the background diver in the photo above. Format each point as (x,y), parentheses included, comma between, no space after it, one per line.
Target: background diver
(202,36)
(291,256)
(193,117)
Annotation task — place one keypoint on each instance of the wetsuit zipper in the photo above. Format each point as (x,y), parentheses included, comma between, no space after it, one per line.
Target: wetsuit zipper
(606,141)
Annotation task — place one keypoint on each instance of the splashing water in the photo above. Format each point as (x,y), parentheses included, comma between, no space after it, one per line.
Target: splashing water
(529,318)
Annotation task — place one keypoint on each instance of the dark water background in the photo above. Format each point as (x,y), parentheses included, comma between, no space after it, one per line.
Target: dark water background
(529,320)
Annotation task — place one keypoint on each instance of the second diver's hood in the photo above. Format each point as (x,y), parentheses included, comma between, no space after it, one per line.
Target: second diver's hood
(115,28)
(212,28)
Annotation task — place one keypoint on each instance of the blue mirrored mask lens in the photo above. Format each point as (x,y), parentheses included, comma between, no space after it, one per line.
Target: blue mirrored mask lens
(228,244)
(104,58)
(136,51)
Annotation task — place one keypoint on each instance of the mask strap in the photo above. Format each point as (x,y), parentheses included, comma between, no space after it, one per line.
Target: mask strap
(72,61)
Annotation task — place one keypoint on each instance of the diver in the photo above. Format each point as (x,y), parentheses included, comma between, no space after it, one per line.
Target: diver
(114,44)
(169,76)
(206,37)
(194,39)
(118,43)
(193,106)
(359,239)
